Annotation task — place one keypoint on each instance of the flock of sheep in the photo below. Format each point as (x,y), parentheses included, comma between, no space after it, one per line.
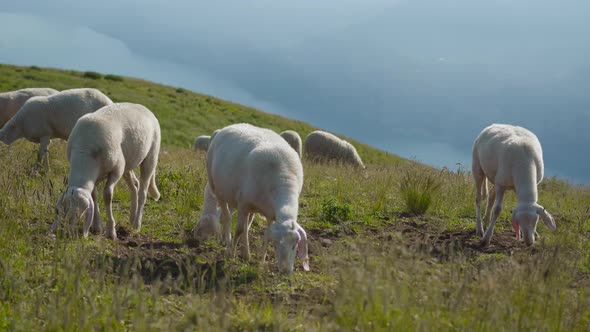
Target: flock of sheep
(250,169)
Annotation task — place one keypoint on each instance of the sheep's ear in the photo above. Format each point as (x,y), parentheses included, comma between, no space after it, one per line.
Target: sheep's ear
(547,218)
(302,248)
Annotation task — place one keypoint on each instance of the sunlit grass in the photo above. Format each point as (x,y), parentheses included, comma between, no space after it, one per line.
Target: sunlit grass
(374,266)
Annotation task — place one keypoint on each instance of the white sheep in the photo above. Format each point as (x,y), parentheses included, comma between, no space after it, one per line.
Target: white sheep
(254,170)
(12,101)
(42,118)
(108,144)
(511,158)
(202,143)
(323,146)
(294,140)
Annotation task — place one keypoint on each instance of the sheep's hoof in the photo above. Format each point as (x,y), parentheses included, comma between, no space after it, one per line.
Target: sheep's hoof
(484,243)
(112,235)
(96,230)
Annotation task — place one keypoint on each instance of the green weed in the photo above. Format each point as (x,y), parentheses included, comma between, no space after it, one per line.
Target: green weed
(418,189)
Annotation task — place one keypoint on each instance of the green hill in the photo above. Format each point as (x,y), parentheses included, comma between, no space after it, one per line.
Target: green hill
(378,263)
(183,114)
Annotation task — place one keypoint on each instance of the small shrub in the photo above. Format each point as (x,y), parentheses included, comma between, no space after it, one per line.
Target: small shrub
(418,190)
(180,90)
(93,75)
(333,211)
(115,78)
(34,68)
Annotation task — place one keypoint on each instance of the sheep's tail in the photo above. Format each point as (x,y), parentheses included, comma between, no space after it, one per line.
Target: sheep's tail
(152,189)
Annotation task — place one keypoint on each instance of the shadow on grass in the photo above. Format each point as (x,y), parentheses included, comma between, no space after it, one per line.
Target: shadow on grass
(172,267)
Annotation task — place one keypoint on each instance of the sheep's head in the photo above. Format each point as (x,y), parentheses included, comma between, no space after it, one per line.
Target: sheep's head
(11,131)
(69,209)
(525,219)
(207,227)
(288,239)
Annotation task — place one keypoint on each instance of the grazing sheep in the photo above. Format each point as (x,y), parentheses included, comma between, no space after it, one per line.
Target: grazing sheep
(254,170)
(12,101)
(294,140)
(108,144)
(511,158)
(323,146)
(202,143)
(42,118)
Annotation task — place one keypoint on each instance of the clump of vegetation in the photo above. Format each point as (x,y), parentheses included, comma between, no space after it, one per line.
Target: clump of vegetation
(34,68)
(115,78)
(93,75)
(180,90)
(418,189)
(334,211)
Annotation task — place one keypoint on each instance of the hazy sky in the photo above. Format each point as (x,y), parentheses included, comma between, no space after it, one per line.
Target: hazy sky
(419,78)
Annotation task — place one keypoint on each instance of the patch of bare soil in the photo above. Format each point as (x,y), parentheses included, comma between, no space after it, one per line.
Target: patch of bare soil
(177,267)
(424,234)
(446,243)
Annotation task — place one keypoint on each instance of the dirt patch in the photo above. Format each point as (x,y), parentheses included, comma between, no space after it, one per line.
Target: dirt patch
(172,266)
(426,236)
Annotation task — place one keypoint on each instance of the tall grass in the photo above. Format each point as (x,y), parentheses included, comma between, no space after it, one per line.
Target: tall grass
(374,266)
(419,188)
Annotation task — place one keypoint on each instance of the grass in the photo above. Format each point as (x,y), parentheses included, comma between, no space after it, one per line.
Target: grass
(418,188)
(375,267)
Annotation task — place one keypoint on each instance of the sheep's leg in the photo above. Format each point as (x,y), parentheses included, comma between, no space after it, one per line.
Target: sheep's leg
(107,196)
(225,219)
(134,180)
(247,238)
(142,196)
(490,204)
(487,237)
(97,219)
(242,233)
(479,178)
(133,184)
(266,239)
(42,162)
(148,170)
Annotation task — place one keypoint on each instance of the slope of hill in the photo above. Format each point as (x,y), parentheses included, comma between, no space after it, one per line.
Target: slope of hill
(375,266)
(183,114)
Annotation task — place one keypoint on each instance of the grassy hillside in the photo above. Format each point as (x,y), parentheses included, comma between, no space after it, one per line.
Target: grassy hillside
(375,266)
(183,115)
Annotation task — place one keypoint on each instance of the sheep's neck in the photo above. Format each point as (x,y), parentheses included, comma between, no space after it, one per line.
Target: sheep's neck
(287,205)
(525,184)
(83,172)
(210,201)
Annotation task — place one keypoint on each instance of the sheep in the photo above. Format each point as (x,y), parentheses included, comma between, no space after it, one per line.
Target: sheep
(323,146)
(510,157)
(12,101)
(42,118)
(202,143)
(294,140)
(254,170)
(108,144)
